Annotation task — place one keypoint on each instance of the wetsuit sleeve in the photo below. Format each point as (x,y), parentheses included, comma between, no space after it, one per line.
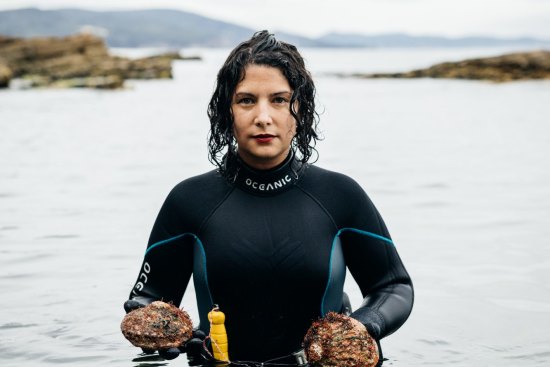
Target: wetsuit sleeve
(168,260)
(373,261)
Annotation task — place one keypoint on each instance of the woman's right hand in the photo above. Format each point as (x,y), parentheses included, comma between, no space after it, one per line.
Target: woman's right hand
(194,347)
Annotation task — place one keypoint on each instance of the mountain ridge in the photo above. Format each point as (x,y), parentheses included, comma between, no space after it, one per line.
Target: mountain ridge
(178,28)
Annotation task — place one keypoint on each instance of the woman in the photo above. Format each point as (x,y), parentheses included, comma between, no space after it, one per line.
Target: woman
(267,236)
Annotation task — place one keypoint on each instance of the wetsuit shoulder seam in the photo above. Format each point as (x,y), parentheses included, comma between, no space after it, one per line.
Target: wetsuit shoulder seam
(318,202)
(214,209)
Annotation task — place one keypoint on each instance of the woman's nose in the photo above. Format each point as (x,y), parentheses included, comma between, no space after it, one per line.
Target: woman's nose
(263,114)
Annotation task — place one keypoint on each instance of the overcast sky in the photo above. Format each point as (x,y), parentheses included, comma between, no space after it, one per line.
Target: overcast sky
(502,18)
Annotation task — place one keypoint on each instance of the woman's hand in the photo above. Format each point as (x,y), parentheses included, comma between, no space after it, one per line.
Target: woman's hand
(341,341)
(192,346)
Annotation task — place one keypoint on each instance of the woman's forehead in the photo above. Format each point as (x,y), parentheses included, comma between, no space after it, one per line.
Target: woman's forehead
(263,77)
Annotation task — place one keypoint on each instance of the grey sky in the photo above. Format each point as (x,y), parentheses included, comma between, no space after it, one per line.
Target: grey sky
(504,18)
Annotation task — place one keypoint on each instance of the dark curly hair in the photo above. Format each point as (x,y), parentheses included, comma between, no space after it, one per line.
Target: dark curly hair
(262,49)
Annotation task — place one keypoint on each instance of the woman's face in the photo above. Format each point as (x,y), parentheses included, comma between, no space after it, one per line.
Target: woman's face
(262,123)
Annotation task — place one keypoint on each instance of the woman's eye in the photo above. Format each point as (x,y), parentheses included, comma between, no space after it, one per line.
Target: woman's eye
(280,100)
(245,100)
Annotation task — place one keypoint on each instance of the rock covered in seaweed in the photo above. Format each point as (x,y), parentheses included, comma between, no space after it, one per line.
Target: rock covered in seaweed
(5,76)
(78,61)
(159,325)
(340,341)
(504,68)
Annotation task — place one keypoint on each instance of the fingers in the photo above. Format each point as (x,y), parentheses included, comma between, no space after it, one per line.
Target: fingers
(198,333)
(197,354)
(194,347)
(169,354)
(131,305)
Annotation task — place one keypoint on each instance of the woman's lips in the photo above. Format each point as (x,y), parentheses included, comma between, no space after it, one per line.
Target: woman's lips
(263,138)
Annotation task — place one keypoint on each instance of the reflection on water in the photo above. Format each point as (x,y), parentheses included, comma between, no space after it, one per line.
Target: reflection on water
(457,169)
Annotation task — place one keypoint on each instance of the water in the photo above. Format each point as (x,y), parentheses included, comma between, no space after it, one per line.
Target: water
(458,170)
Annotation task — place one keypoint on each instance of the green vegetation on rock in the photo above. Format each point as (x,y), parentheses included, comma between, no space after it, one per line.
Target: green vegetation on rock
(80,60)
(515,66)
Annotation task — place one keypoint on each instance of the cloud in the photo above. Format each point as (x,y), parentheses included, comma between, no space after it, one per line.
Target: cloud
(316,17)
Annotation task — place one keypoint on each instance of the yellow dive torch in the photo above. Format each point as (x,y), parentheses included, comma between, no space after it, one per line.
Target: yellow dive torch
(218,335)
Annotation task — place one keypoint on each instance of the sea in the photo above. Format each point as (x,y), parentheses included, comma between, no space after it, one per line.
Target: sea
(458,169)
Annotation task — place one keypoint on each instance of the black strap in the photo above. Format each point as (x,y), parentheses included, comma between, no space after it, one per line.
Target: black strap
(296,359)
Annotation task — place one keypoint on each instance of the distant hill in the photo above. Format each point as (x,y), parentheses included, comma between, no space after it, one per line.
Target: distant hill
(176,28)
(404,40)
(125,28)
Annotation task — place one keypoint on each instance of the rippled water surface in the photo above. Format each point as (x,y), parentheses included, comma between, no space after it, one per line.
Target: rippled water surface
(458,169)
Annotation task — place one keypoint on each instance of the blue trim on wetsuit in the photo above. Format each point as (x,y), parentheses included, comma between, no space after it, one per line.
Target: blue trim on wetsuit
(163,242)
(203,295)
(370,234)
(202,289)
(335,245)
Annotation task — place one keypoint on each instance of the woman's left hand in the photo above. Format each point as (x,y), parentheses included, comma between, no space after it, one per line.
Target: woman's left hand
(342,341)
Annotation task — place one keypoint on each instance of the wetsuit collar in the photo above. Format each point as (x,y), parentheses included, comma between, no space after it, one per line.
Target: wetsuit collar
(271,181)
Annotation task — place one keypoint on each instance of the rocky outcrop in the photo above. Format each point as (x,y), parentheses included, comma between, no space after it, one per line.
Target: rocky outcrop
(5,76)
(516,66)
(76,61)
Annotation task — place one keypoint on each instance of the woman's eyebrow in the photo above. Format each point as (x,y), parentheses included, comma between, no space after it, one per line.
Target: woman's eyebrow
(248,94)
(245,93)
(282,92)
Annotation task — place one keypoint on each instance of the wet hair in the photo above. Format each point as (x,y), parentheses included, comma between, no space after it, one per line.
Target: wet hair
(262,49)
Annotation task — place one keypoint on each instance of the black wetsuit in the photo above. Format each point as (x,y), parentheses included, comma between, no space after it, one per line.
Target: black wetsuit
(271,249)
